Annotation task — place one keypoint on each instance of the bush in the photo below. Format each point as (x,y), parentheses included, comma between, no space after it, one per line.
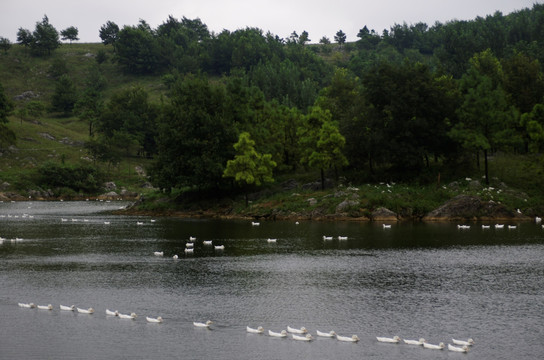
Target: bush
(79,178)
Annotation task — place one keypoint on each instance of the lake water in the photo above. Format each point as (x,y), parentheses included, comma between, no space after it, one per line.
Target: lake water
(413,280)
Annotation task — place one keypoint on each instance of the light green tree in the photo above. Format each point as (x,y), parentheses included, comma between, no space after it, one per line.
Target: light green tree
(249,167)
(321,142)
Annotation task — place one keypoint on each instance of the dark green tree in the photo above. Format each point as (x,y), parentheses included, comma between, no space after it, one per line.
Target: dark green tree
(45,38)
(7,136)
(340,37)
(65,96)
(195,137)
(5,44)
(109,33)
(70,33)
(138,50)
(24,37)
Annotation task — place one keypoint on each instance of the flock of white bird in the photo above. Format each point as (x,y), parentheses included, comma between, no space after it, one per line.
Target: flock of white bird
(300,334)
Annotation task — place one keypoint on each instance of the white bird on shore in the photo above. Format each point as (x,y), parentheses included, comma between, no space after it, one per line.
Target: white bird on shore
(67,308)
(112,313)
(27,306)
(139,223)
(200,324)
(192,238)
(468,342)
(85,311)
(154,320)
(189,250)
(458,349)
(326,334)
(258,330)
(207,242)
(394,339)
(414,342)
(132,316)
(281,334)
(538,220)
(219,247)
(158,253)
(271,240)
(434,347)
(190,245)
(353,338)
(175,257)
(307,337)
(302,330)
(45,307)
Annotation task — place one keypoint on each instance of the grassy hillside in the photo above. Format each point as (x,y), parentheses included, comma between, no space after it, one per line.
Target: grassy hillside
(60,139)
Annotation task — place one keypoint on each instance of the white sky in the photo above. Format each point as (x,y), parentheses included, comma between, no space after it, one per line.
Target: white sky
(280,17)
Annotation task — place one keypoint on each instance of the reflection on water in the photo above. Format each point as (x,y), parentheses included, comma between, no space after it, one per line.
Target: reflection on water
(413,280)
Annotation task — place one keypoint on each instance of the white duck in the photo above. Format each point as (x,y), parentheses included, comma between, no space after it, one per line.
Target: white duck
(538,219)
(415,342)
(511,227)
(271,240)
(394,339)
(468,342)
(132,316)
(154,320)
(386,226)
(85,311)
(190,245)
(342,238)
(207,242)
(434,347)
(192,238)
(189,250)
(112,313)
(353,338)
(302,330)
(219,247)
(326,334)
(499,226)
(158,253)
(175,257)
(327,237)
(486,226)
(200,324)
(281,334)
(27,306)
(258,330)
(255,223)
(458,349)
(45,307)
(307,337)
(67,308)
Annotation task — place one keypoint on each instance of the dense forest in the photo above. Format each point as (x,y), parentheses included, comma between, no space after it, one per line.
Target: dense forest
(241,107)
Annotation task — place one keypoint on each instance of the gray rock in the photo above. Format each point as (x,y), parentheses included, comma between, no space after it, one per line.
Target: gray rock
(26,96)
(345,205)
(311,201)
(110,185)
(47,136)
(4,186)
(384,214)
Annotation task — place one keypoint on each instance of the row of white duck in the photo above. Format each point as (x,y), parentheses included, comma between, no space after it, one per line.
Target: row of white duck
(300,334)
(459,345)
(303,335)
(131,316)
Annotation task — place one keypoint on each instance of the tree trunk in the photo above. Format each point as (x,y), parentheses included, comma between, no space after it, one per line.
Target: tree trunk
(486,168)
(478,159)
(247,201)
(322,179)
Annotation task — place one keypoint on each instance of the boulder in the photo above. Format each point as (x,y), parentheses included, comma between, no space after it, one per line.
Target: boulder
(345,205)
(109,186)
(384,214)
(466,207)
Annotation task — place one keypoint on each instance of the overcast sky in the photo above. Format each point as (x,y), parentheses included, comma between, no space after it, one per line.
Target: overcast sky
(281,17)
